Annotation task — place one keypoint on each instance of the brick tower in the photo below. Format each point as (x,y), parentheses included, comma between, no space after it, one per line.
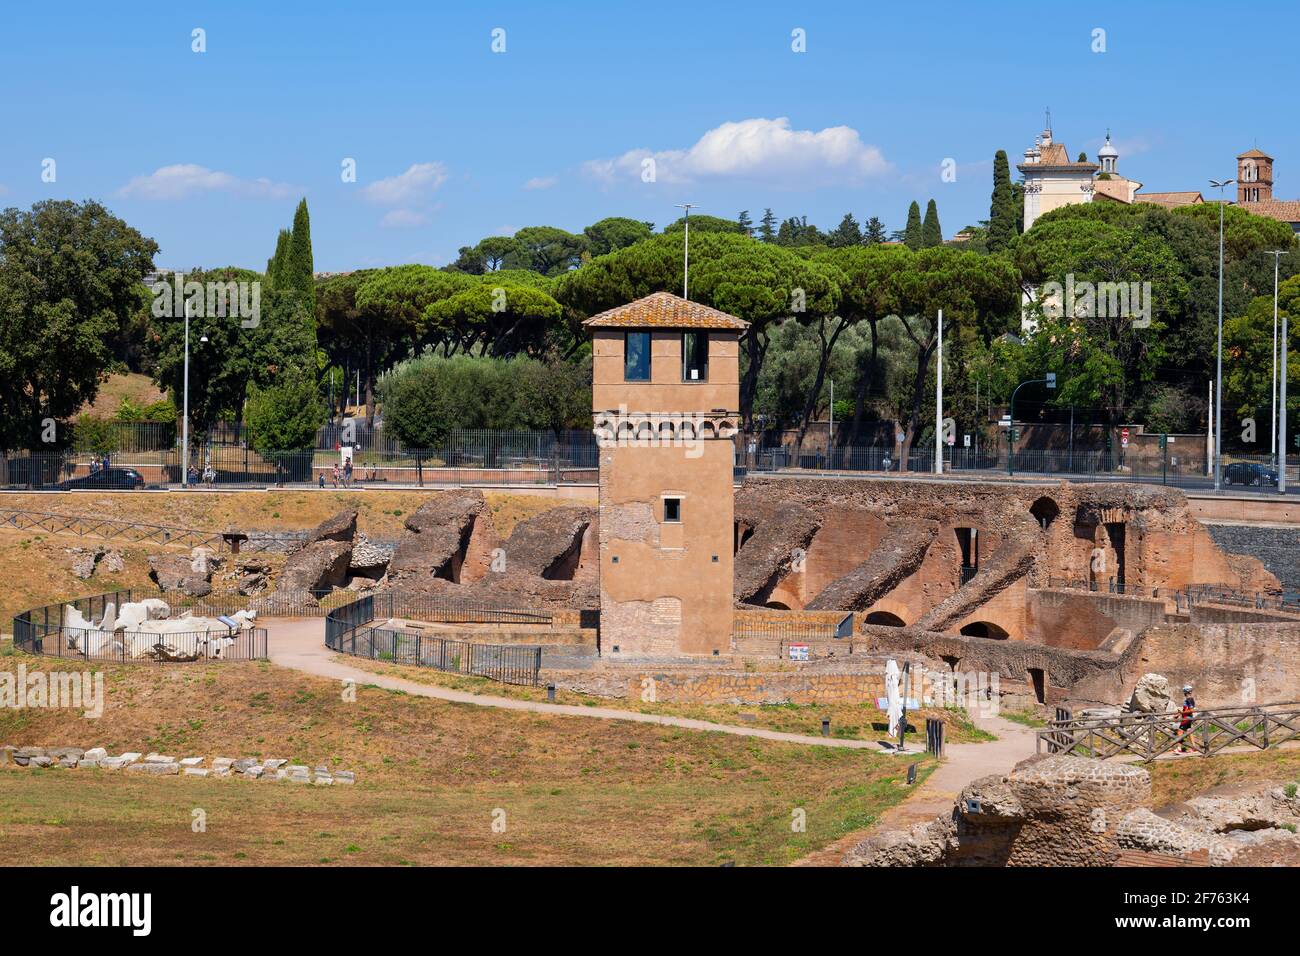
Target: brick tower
(1254,176)
(665,394)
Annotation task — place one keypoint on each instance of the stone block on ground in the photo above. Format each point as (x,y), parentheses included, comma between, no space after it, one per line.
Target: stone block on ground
(155,769)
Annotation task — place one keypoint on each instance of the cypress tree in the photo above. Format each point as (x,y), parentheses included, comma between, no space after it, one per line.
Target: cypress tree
(275,265)
(1002,213)
(300,270)
(931,233)
(912,232)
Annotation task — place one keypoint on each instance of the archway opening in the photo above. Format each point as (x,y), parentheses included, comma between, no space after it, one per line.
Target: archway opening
(777,606)
(1045,511)
(985,629)
(885,619)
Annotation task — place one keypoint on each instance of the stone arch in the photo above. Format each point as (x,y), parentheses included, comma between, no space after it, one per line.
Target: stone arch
(1045,511)
(892,608)
(645,432)
(985,629)
(666,431)
(687,431)
(707,430)
(884,619)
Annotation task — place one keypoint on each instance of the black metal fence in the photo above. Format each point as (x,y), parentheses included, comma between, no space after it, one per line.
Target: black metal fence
(348,630)
(1171,465)
(464,464)
(507,663)
(50,631)
(1184,598)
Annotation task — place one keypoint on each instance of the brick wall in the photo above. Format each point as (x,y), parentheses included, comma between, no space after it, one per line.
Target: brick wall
(757,688)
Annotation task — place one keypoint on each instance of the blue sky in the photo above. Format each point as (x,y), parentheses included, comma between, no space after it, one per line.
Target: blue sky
(208,153)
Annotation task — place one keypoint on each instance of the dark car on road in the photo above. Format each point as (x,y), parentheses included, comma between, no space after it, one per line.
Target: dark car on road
(1249,473)
(106,478)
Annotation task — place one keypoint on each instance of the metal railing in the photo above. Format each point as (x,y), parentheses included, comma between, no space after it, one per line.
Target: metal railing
(1184,598)
(506,663)
(349,630)
(47,631)
(1137,464)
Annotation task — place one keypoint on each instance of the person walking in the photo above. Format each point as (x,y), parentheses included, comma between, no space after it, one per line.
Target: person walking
(1185,719)
(334,475)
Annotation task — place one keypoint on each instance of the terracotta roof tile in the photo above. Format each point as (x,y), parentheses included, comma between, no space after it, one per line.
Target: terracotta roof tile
(1254,154)
(1283,210)
(663,310)
(1170,200)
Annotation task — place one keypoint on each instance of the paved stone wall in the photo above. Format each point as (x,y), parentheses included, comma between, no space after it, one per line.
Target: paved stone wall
(749,688)
(1277,548)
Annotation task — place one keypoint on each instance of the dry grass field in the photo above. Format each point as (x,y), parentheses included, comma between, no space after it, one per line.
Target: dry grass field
(848,721)
(430,775)
(1176,780)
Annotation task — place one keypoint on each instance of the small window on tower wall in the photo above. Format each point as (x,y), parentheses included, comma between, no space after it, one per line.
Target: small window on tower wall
(673,509)
(695,356)
(636,357)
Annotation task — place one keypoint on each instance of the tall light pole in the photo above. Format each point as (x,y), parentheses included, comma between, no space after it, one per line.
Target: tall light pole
(1281,416)
(938,403)
(1277,255)
(185,413)
(686,251)
(1218,375)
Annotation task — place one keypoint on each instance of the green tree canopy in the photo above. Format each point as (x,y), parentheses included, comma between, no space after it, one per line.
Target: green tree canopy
(614,233)
(70,279)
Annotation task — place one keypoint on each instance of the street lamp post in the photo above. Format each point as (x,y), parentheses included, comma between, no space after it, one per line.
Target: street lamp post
(1218,374)
(686,250)
(1274,441)
(185,412)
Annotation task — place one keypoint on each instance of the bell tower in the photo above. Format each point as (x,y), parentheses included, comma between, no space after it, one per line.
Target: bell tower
(665,394)
(1254,176)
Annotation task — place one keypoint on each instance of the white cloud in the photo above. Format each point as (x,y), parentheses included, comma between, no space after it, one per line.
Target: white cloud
(418,182)
(403,219)
(182,180)
(760,149)
(541,182)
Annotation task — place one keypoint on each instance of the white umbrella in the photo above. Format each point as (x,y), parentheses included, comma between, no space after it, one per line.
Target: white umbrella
(895,699)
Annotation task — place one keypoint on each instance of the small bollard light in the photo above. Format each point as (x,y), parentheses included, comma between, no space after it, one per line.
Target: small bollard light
(826,726)
(911,775)
(550,692)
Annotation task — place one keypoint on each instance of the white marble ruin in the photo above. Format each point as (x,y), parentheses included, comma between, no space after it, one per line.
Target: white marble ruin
(145,629)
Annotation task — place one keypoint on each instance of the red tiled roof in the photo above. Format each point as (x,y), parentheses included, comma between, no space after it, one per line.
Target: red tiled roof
(663,310)
(1283,210)
(1169,200)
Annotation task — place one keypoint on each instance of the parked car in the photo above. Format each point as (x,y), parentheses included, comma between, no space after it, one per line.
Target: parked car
(119,478)
(1249,473)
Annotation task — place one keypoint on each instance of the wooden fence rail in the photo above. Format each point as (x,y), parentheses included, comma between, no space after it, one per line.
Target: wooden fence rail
(1149,736)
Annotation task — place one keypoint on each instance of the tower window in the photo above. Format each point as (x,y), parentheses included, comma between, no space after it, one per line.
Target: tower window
(673,510)
(695,356)
(636,356)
